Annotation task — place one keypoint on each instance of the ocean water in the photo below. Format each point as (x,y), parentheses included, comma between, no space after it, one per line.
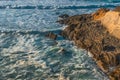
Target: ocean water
(25,52)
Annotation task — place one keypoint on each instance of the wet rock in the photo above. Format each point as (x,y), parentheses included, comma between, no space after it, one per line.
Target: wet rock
(51,35)
(93,33)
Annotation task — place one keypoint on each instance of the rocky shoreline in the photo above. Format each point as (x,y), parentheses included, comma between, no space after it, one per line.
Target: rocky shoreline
(97,34)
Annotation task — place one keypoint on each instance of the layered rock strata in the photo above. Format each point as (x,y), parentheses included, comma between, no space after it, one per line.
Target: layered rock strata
(99,33)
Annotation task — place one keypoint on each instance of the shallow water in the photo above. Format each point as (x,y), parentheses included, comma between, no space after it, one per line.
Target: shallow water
(25,52)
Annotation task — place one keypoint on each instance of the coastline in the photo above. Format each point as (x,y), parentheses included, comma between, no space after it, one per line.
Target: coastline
(92,33)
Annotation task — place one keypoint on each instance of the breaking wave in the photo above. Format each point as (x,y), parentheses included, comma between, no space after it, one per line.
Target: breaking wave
(58,7)
(56,4)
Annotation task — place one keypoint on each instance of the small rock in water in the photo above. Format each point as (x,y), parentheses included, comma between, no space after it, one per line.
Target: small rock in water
(51,35)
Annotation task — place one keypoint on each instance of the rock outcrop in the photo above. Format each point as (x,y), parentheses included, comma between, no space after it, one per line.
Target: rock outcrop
(98,33)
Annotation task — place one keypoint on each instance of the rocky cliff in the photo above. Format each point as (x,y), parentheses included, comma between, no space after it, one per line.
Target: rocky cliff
(99,33)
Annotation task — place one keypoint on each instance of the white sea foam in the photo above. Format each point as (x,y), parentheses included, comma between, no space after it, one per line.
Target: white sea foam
(29,50)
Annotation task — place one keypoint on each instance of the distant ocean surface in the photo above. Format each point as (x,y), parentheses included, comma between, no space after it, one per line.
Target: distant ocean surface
(25,52)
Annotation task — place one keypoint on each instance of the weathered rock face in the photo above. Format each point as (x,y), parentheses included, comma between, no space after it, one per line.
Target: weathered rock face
(93,33)
(111,21)
(100,13)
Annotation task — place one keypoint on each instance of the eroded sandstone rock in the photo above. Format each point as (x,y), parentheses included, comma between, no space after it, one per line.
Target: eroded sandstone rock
(100,13)
(111,21)
(99,34)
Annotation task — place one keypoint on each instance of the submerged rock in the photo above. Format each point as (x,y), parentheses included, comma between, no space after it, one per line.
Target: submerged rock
(98,33)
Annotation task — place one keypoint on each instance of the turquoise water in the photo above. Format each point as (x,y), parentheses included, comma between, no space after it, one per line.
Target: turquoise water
(25,52)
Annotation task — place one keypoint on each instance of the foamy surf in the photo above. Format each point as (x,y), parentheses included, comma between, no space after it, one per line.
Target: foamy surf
(25,52)
(28,56)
